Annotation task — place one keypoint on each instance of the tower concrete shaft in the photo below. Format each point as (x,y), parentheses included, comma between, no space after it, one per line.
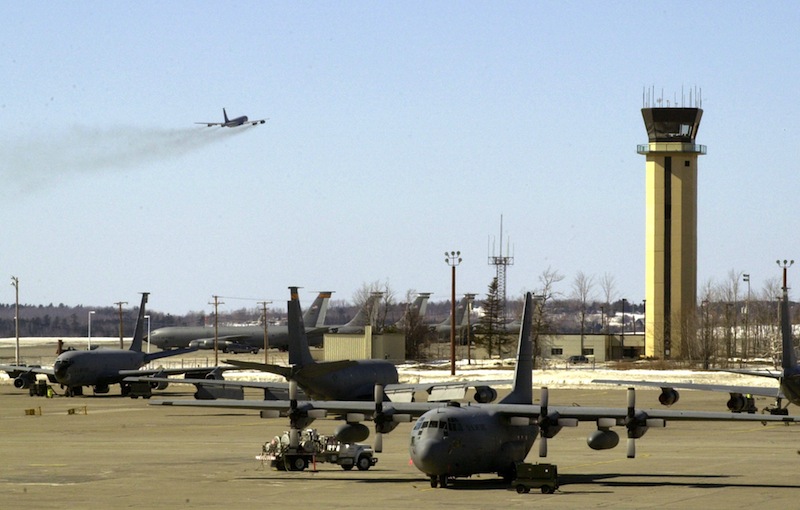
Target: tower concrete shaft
(671,229)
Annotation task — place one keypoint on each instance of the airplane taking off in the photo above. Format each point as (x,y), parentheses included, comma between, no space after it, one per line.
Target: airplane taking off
(243,338)
(238,121)
(450,440)
(741,399)
(99,367)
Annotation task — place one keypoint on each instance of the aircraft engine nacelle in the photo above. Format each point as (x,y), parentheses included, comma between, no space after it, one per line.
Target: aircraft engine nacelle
(739,403)
(161,385)
(602,439)
(351,432)
(485,394)
(25,380)
(386,426)
(668,396)
(202,344)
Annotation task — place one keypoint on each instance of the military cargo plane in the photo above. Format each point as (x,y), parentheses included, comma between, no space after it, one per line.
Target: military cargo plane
(451,440)
(243,338)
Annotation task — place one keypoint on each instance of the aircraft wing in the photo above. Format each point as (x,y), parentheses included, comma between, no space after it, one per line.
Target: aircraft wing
(512,411)
(211,389)
(209,124)
(151,374)
(721,388)
(14,370)
(445,391)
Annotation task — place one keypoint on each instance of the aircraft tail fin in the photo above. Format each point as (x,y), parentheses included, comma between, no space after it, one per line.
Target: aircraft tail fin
(314,317)
(366,316)
(415,310)
(138,334)
(225,115)
(299,353)
(522,391)
(789,358)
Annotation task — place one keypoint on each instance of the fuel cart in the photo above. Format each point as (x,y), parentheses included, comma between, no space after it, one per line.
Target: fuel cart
(536,476)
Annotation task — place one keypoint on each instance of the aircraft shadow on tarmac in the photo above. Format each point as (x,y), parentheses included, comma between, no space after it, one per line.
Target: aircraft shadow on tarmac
(581,483)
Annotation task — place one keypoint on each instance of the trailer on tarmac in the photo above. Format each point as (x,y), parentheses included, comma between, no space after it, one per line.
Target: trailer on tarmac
(312,448)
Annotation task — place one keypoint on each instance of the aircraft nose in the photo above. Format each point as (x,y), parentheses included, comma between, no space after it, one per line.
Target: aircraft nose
(430,457)
(60,369)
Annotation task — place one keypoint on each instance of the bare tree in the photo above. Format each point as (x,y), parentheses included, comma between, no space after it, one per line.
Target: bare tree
(581,290)
(608,286)
(361,298)
(543,293)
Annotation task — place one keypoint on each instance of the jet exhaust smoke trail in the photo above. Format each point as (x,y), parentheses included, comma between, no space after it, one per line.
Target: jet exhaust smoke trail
(32,161)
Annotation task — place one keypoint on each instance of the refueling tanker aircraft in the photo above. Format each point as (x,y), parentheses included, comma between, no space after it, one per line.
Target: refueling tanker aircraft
(741,397)
(238,121)
(243,338)
(99,368)
(452,440)
(332,380)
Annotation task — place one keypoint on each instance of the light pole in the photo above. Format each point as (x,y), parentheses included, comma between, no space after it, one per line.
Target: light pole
(148,332)
(266,337)
(622,331)
(89,335)
(746,278)
(453,259)
(15,283)
(786,264)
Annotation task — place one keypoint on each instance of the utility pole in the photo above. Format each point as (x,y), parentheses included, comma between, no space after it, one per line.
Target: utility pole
(266,338)
(15,283)
(216,304)
(453,259)
(119,304)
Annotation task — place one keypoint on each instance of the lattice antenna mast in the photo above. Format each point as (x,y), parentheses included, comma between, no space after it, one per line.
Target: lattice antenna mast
(501,262)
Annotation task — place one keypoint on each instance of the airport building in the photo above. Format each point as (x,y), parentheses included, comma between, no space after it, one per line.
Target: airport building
(671,228)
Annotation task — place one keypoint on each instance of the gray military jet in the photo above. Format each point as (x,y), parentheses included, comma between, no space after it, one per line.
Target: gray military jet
(235,122)
(98,368)
(451,440)
(334,380)
(741,397)
(243,338)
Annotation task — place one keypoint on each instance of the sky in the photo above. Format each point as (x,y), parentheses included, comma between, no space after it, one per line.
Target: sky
(396,131)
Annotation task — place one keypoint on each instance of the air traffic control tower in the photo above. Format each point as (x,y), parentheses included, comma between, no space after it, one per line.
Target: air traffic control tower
(671,228)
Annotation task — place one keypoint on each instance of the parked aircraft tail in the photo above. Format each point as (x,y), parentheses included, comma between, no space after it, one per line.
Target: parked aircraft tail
(299,352)
(366,316)
(315,315)
(522,390)
(416,309)
(138,333)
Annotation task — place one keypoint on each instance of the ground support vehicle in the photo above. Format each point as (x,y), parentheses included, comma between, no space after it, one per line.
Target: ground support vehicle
(535,476)
(312,448)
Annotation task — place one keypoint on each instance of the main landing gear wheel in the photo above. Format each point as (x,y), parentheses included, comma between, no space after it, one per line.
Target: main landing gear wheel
(439,481)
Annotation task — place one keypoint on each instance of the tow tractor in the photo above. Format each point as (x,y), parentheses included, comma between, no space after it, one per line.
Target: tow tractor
(313,447)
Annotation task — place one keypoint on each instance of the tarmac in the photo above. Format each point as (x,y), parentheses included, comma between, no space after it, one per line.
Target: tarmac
(113,452)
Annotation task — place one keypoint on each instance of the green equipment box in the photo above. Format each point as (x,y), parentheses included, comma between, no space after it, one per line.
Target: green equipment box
(536,476)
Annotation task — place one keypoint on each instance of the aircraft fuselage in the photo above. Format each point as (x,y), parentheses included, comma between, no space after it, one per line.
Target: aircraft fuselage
(462,441)
(790,385)
(95,368)
(355,382)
